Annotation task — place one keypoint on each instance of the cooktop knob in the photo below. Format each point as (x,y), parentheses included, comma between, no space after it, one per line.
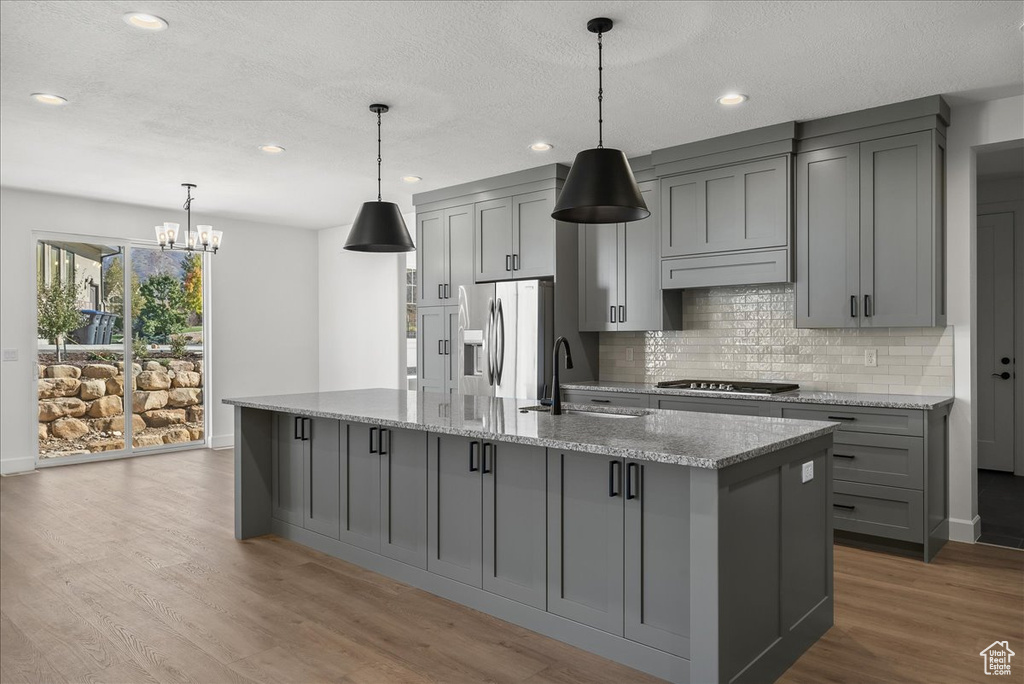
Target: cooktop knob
(703,385)
(693,385)
(728,388)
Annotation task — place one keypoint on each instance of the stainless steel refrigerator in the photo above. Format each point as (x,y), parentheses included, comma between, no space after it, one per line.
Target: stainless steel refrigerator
(505,333)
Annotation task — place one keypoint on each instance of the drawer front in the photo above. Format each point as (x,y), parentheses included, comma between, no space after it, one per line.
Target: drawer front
(891,460)
(860,418)
(734,408)
(888,512)
(627,399)
(747,268)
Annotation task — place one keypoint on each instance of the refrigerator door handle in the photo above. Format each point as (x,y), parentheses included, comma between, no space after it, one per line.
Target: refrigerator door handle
(500,347)
(489,340)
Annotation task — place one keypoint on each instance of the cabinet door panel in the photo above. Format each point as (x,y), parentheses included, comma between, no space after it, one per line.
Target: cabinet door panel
(657,558)
(288,458)
(514,523)
(828,238)
(403,502)
(321,475)
(360,487)
(598,276)
(458,227)
(682,214)
(896,257)
(533,234)
(492,250)
(431,332)
(639,267)
(430,257)
(455,541)
(585,527)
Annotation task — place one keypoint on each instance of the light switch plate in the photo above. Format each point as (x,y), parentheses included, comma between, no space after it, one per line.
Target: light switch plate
(807,473)
(629,353)
(10,354)
(871,357)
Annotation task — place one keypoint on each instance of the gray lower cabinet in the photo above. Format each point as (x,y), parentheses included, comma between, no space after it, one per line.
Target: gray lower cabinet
(628,399)
(455,500)
(734,407)
(360,487)
(287,462)
(870,233)
(321,471)
(403,495)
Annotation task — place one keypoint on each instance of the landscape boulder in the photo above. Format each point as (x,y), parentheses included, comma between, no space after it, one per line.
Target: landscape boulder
(112,444)
(136,368)
(116,424)
(63,371)
(153,380)
(58,408)
(115,386)
(50,388)
(153,366)
(177,436)
(69,428)
(195,414)
(44,432)
(147,401)
(164,417)
(99,370)
(184,396)
(92,389)
(147,440)
(196,434)
(186,379)
(178,366)
(105,407)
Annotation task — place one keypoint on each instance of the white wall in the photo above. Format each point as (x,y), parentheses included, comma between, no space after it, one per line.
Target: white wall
(362,317)
(971,126)
(263,306)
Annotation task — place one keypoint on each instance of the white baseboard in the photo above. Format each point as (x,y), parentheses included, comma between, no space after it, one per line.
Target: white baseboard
(222,441)
(965,530)
(12,466)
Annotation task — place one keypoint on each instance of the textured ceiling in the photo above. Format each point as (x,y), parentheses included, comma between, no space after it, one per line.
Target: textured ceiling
(471,84)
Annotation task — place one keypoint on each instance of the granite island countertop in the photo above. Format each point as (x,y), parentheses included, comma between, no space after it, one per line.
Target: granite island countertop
(699,440)
(894,401)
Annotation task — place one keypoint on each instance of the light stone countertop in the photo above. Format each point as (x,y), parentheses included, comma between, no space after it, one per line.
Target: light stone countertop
(699,440)
(894,401)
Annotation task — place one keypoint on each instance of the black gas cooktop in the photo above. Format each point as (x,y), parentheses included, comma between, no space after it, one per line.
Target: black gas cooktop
(737,386)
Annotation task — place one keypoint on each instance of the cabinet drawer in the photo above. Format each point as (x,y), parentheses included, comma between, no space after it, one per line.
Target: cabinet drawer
(861,419)
(627,399)
(748,268)
(734,408)
(889,512)
(891,460)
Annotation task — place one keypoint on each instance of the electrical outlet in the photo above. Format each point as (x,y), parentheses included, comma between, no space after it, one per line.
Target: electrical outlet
(807,473)
(629,353)
(871,357)
(10,354)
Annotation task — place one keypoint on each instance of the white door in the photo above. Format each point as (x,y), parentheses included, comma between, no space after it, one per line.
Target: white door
(995,342)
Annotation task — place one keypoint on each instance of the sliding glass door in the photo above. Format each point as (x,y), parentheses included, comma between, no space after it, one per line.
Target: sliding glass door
(120,350)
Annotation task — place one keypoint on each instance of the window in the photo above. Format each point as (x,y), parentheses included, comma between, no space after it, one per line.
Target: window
(410,320)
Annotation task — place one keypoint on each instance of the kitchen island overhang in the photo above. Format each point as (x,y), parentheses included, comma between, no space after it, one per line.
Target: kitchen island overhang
(690,546)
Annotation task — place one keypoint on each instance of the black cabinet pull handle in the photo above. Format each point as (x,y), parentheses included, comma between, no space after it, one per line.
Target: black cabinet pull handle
(474,456)
(853,306)
(843,506)
(632,480)
(843,456)
(297,435)
(614,478)
(867,305)
(447,348)
(373,433)
(515,262)
(848,418)
(1004,375)
(611,315)
(302,429)
(440,291)
(508,262)
(488,463)
(622,313)
(385,444)
(601,401)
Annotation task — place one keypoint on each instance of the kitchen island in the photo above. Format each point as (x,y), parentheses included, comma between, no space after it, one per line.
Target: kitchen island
(695,547)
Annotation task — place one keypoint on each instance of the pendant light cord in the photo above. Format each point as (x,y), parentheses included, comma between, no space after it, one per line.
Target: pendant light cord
(600,93)
(378,156)
(188,214)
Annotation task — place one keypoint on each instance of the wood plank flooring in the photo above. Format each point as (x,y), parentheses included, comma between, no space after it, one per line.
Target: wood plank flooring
(127,571)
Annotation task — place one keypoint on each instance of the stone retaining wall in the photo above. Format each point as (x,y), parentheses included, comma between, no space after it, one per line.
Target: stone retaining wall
(81,405)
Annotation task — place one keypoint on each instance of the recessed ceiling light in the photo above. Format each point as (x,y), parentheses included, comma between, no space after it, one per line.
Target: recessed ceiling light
(147,22)
(541,146)
(271,149)
(49,99)
(411,179)
(730,99)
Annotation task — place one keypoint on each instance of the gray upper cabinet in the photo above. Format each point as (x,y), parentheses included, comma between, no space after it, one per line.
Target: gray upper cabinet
(870,234)
(737,207)
(321,473)
(492,253)
(620,280)
(515,237)
(287,462)
(445,253)
(360,487)
(403,495)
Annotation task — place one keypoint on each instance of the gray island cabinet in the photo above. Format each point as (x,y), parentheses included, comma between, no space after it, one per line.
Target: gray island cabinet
(695,547)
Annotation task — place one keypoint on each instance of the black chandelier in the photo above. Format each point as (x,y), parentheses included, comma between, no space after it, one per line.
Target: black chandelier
(205,239)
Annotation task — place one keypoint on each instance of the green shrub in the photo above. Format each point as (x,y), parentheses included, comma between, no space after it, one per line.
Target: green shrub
(163,310)
(58,314)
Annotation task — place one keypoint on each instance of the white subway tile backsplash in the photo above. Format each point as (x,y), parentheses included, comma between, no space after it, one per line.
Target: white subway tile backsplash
(748,333)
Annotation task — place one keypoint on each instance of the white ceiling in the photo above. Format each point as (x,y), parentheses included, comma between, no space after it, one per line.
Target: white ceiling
(471,84)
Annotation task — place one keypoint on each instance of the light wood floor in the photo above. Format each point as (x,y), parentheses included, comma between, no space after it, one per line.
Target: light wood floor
(127,571)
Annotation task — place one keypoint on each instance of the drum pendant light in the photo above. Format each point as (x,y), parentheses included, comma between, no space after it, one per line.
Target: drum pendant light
(600,187)
(379,226)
